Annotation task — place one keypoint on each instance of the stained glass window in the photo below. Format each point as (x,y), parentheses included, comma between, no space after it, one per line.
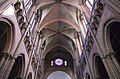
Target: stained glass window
(59,62)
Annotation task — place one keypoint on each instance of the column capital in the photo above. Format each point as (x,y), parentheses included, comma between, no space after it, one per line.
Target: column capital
(5,54)
(111,54)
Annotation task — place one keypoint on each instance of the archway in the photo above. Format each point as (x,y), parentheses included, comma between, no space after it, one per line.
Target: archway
(100,69)
(17,69)
(29,76)
(114,33)
(87,76)
(61,55)
(58,59)
(58,75)
(5,37)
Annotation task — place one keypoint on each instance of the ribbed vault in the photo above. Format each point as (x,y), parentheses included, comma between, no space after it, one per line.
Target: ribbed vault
(59,27)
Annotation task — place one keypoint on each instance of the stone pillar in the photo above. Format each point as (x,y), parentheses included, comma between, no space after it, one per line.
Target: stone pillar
(6,66)
(77,51)
(3,63)
(108,67)
(3,58)
(114,66)
(42,69)
(75,68)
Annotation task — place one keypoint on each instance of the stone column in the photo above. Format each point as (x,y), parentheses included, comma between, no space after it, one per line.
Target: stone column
(42,69)
(3,58)
(3,63)
(6,66)
(115,68)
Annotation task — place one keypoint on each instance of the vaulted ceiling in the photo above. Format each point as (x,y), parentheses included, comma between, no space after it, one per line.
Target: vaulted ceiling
(59,27)
(59,22)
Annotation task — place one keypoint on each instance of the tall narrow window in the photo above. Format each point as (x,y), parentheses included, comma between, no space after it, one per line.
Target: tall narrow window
(59,62)
(51,63)
(65,63)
